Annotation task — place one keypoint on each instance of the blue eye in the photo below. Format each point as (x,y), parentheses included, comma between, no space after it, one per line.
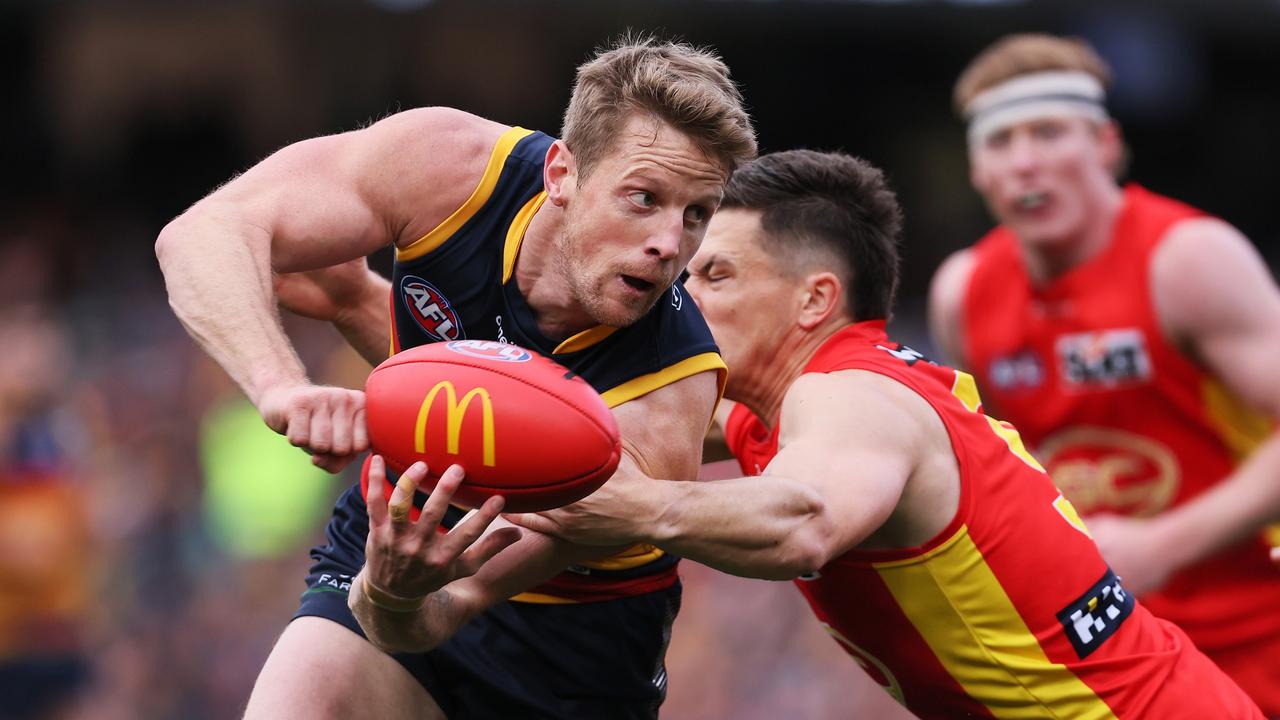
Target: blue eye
(642,198)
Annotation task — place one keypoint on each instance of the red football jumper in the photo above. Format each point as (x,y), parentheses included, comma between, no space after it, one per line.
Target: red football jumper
(1009,611)
(1124,422)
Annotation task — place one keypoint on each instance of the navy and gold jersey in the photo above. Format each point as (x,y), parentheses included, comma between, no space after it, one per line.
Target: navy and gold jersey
(458,281)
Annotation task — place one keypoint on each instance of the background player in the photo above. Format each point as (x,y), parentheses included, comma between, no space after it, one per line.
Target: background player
(569,247)
(925,536)
(1130,338)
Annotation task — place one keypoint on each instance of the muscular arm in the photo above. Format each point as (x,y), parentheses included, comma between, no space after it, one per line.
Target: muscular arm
(316,203)
(1216,299)
(844,458)
(661,434)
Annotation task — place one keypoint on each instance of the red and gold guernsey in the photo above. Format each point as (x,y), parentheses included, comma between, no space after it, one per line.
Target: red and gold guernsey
(1009,612)
(1123,421)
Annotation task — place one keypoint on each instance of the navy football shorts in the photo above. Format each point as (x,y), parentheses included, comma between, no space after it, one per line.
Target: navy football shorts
(529,661)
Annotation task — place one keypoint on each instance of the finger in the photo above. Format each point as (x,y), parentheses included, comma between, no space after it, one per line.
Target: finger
(359,432)
(438,504)
(340,419)
(494,543)
(321,439)
(472,526)
(402,496)
(332,463)
(376,501)
(298,429)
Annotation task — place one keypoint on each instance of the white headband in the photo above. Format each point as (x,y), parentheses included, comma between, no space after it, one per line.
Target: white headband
(1032,96)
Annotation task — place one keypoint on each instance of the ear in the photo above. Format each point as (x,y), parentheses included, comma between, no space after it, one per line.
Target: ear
(821,297)
(560,174)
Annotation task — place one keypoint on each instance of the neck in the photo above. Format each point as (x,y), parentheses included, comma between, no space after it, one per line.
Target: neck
(538,278)
(1047,261)
(782,368)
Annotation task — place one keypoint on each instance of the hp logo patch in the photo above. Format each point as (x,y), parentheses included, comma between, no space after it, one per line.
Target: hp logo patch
(490,350)
(1096,615)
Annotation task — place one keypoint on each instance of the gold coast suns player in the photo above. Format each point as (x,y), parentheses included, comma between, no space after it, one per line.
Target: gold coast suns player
(929,542)
(1131,339)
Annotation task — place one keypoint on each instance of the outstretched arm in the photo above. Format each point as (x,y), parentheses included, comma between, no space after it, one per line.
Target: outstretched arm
(845,455)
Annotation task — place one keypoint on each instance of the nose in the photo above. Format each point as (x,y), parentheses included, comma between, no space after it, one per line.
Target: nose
(664,243)
(1023,154)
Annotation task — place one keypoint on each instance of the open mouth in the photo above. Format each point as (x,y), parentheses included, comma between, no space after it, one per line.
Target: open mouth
(637,284)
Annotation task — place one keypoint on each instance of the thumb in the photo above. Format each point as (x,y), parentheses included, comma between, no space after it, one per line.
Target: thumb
(532,521)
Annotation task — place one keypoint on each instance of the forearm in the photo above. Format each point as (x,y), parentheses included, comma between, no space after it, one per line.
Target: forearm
(766,527)
(1235,509)
(366,326)
(218,275)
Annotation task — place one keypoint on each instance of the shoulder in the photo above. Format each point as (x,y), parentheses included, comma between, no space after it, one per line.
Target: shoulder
(946,301)
(870,403)
(1205,272)
(430,159)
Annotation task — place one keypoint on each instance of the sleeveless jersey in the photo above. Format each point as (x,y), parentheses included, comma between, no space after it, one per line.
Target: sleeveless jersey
(1124,422)
(458,281)
(1009,612)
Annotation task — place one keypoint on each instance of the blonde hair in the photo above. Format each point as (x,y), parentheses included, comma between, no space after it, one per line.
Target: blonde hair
(686,87)
(1015,55)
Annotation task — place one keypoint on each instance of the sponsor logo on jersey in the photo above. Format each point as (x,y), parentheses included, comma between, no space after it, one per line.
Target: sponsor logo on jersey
(1096,615)
(905,354)
(1019,370)
(1108,470)
(1103,359)
(430,309)
(341,583)
(677,299)
(490,350)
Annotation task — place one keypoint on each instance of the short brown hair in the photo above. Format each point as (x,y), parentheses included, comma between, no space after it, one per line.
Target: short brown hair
(832,203)
(1015,55)
(687,87)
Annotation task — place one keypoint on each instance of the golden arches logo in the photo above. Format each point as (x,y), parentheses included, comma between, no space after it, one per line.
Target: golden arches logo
(455,413)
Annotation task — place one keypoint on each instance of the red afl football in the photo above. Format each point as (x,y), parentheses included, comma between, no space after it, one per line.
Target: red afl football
(520,424)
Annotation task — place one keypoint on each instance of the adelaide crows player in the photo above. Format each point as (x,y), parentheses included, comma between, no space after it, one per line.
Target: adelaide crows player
(571,247)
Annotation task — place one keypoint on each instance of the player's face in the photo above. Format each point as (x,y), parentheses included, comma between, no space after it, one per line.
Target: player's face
(1039,177)
(742,294)
(635,221)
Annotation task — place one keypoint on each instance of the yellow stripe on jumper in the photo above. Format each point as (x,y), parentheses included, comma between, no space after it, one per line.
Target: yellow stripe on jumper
(954,600)
(445,230)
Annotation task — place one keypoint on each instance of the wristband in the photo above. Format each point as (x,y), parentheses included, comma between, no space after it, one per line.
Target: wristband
(384,600)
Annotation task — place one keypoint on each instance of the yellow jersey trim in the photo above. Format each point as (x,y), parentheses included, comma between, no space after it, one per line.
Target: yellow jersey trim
(515,234)
(542,599)
(445,230)
(1241,428)
(957,604)
(645,384)
(584,339)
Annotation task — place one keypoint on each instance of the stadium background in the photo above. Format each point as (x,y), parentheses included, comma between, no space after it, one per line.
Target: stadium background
(153,534)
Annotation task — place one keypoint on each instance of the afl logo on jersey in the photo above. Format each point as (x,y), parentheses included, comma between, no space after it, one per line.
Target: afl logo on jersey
(490,350)
(430,309)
